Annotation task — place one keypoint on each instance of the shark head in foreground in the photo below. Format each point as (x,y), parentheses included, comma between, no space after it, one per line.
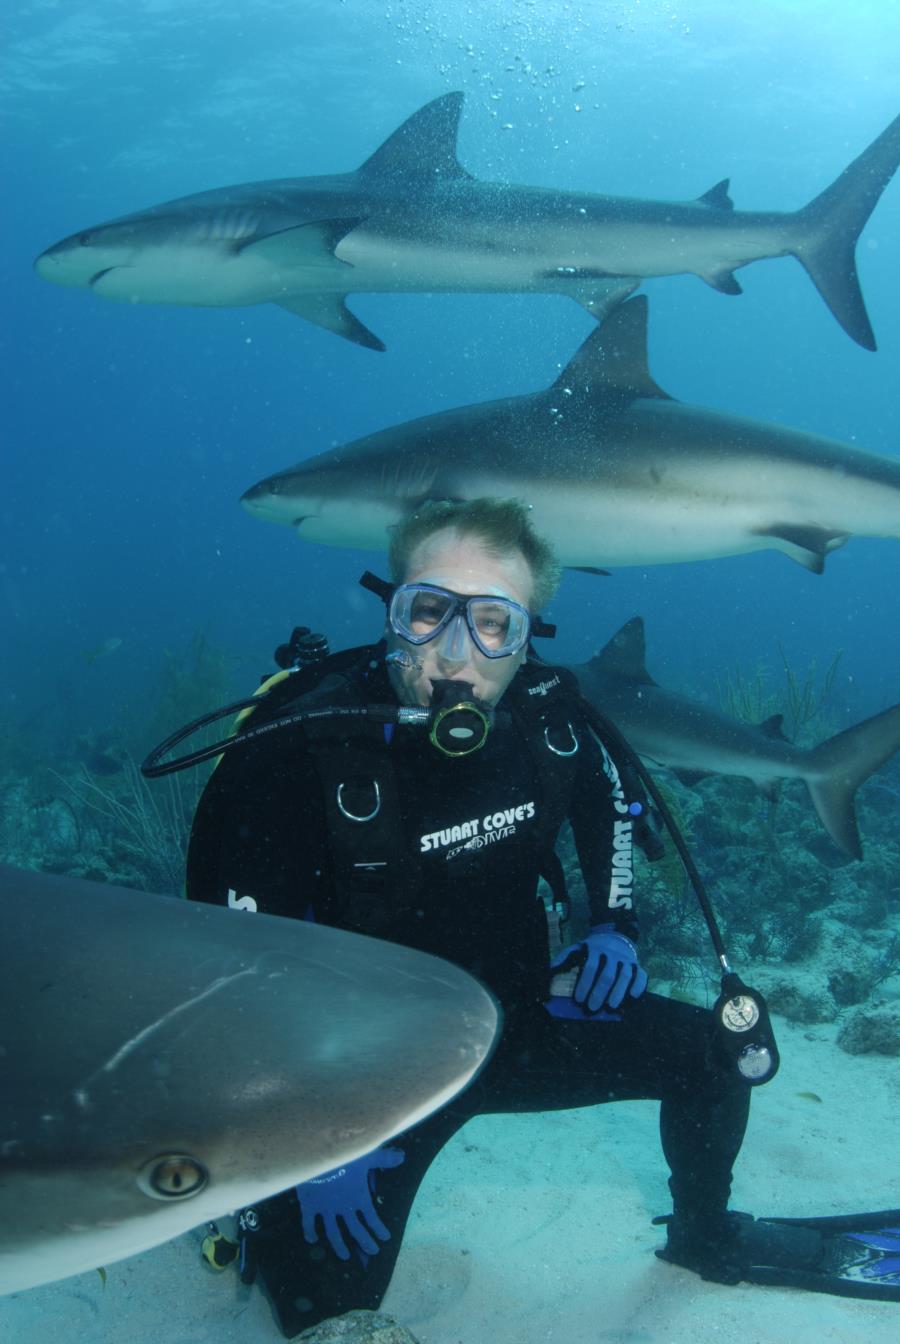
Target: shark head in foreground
(165,1062)
(615,471)
(412,219)
(694,740)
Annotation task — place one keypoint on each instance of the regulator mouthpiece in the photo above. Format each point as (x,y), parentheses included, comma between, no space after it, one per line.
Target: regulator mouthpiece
(460,722)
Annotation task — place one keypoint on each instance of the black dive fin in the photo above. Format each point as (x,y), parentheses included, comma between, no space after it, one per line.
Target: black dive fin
(861,1257)
(855,1255)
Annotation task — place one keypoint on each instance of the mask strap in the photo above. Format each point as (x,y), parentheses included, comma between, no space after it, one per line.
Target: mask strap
(380,587)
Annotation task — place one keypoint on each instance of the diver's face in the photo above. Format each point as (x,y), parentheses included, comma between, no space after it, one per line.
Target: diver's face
(463,565)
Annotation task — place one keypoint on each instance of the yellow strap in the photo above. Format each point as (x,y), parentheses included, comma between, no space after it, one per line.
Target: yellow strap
(263,689)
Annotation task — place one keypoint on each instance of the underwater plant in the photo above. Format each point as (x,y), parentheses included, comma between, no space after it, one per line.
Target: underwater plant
(803,699)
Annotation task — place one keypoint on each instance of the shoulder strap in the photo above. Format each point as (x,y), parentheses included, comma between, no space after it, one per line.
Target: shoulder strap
(362,811)
(543,700)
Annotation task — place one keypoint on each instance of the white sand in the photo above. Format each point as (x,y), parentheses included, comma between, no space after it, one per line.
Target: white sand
(536,1230)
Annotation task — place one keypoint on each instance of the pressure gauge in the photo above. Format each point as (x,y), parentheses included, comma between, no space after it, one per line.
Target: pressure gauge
(740,1013)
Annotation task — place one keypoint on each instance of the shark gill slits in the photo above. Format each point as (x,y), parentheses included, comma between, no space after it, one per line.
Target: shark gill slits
(172,1176)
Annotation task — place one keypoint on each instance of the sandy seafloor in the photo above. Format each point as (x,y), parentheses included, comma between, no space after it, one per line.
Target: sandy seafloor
(536,1230)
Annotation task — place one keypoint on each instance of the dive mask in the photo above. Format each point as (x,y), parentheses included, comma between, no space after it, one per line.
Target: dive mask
(421,612)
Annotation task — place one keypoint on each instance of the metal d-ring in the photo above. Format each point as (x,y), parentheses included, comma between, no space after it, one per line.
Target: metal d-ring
(351,816)
(556,750)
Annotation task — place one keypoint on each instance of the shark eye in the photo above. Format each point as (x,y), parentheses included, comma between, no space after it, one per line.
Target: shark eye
(172,1176)
(84,239)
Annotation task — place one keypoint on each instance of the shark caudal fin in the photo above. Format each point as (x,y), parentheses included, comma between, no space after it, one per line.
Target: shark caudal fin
(828,229)
(836,769)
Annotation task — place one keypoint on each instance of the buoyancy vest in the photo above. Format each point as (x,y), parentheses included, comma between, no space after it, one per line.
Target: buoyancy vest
(355,768)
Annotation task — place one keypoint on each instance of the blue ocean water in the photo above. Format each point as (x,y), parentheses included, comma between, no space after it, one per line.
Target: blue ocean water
(132,431)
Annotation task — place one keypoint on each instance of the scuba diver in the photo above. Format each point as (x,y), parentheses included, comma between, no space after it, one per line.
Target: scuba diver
(414,791)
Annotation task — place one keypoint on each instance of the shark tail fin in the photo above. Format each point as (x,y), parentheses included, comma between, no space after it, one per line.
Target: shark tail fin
(829,227)
(838,767)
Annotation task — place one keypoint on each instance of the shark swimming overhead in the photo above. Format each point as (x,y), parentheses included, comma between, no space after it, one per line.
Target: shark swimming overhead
(615,471)
(163,1062)
(412,219)
(694,740)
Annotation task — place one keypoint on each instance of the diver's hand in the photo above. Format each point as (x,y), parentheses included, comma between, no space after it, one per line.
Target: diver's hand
(609,970)
(343,1200)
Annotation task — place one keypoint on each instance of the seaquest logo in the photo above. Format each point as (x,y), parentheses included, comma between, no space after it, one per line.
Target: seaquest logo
(477,831)
(543,687)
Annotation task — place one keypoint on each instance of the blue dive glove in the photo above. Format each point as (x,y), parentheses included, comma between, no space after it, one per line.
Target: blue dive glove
(609,971)
(347,1193)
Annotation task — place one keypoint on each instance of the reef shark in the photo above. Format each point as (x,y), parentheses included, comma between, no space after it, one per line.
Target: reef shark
(164,1062)
(412,219)
(694,740)
(615,471)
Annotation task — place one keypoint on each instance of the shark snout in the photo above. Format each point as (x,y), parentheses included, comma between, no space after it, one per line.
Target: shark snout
(268,499)
(70,262)
(254,500)
(47,264)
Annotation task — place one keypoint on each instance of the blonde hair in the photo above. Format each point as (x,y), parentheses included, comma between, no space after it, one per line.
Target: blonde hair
(501,525)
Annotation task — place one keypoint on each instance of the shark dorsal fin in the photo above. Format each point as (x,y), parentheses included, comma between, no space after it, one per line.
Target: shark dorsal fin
(424,146)
(625,654)
(717,196)
(613,359)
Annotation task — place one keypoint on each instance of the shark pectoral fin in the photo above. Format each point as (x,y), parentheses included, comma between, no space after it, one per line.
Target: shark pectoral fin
(836,769)
(330,311)
(612,362)
(807,545)
(717,197)
(724,282)
(303,245)
(424,147)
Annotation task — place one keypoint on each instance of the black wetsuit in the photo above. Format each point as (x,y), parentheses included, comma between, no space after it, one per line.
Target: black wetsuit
(471,837)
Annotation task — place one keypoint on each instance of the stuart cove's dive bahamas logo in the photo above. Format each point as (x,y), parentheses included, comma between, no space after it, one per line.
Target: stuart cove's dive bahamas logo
(477,832)
(621,882)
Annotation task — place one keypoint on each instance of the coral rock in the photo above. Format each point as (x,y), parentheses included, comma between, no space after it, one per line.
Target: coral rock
(358,1327)
(872,1031)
